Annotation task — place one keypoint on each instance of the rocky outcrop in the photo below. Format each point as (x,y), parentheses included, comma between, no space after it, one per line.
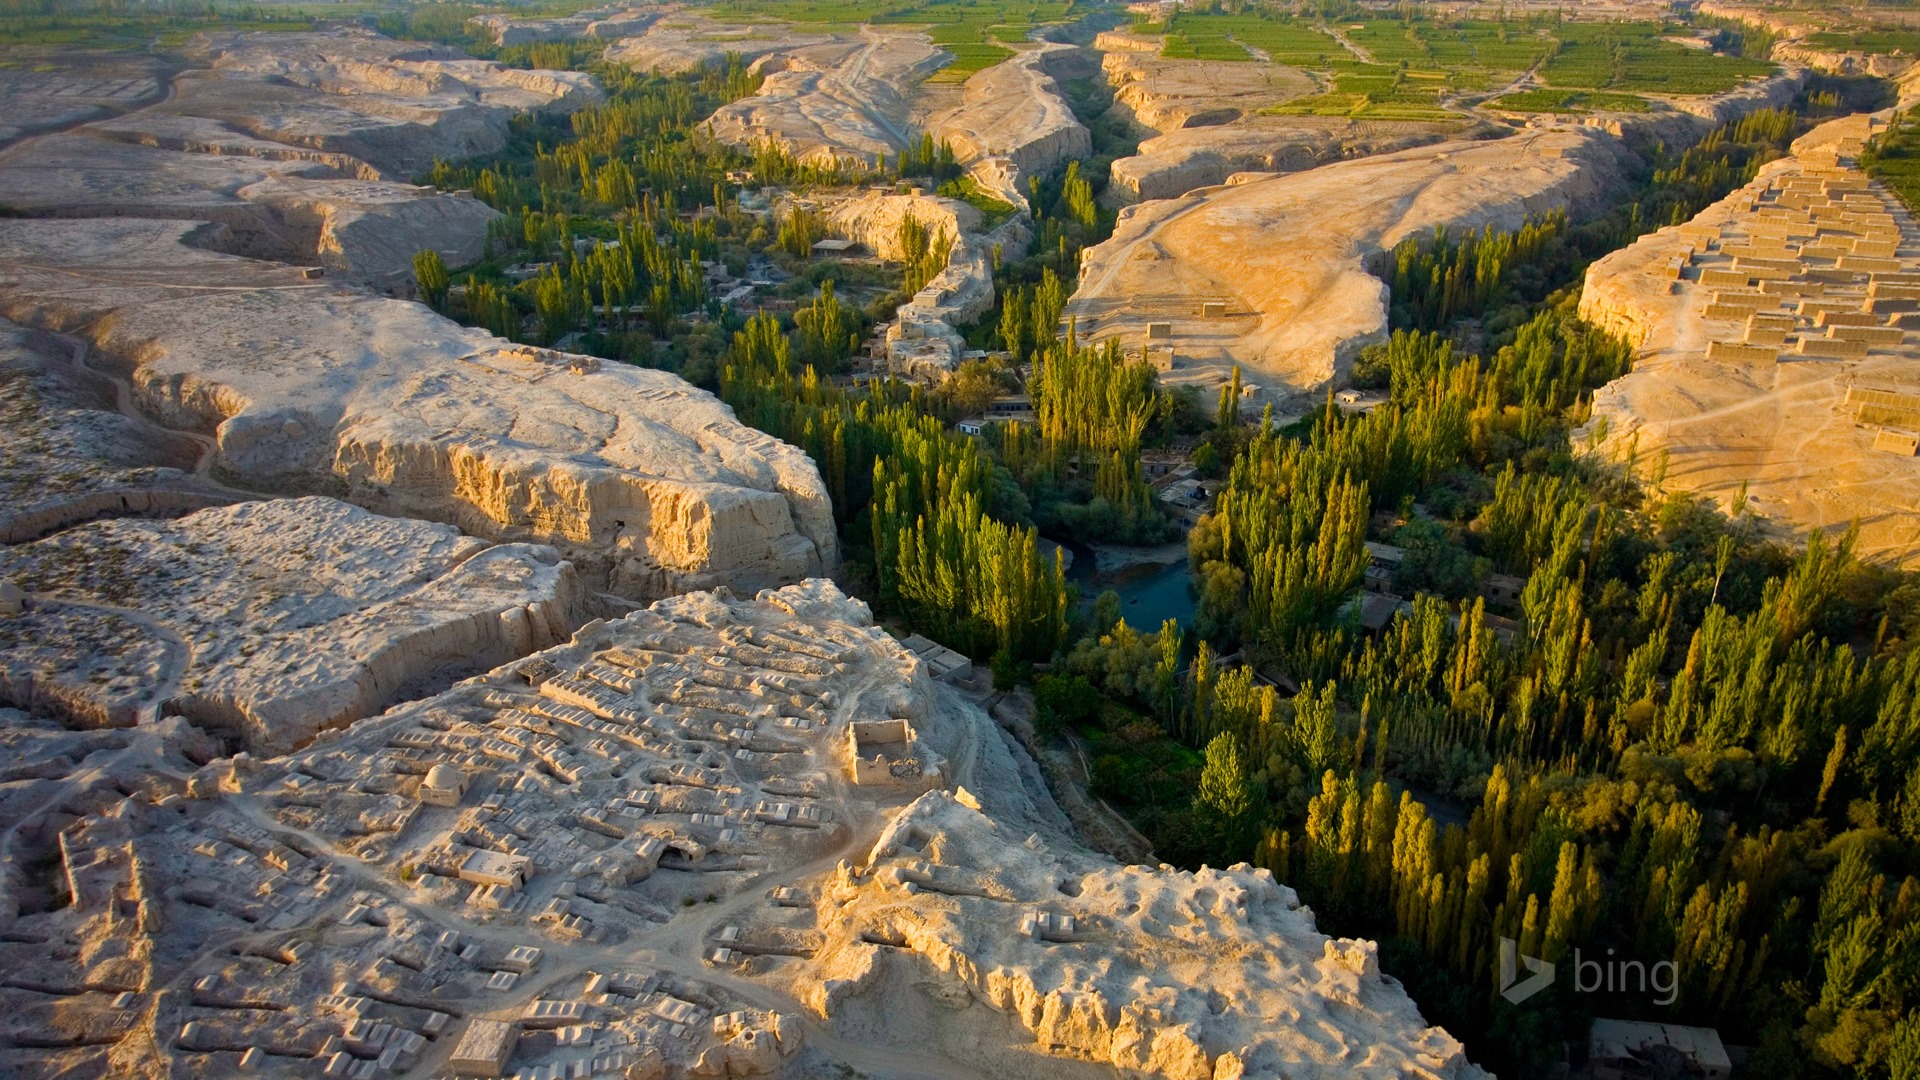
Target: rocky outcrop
(1288,255)
(924,338)
(1211,122)
(372,231)
(1843,61)
(1012,122)
(604,23)
(688,41)
(847,99)
(1783,420)
(1116,41)
(1115,965)
(1167,95)
(649,485)
(268,621)
(295,150)
(68,454)
(1170,165)
(874,219)
(396,105)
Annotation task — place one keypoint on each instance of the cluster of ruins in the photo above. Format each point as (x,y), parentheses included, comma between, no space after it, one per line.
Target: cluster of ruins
(634,854)
(1807,264)
(1778,364)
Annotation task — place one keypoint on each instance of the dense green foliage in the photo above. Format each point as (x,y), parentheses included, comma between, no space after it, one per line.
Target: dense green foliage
(1867,41)
(1500,277)
(47,26)
(1683,742)
(1894,158)
(940,556)
(1636,58)
(600,212)
(1079,461)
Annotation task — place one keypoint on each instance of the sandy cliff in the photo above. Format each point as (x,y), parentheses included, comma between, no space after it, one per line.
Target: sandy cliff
(268,621)
(1210,122)
(1013,112)
(298,146)
(849,98)
(1127,970)
(1780,413)
(1288,254)
(650,485)
(687,41)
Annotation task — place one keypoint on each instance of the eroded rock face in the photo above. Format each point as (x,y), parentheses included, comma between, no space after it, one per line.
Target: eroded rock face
(638,832)
(1013,111)
(602,23)
(1117,965)
(395,104)
(848,98)
(67,454)
(1288,254)
(924,340)
(1843,61)
(297,147)
(1775,413)
(1168,95)
(269,620)
(686,41)
(650,485)
(372,231)
(1211,122)
(1170,165)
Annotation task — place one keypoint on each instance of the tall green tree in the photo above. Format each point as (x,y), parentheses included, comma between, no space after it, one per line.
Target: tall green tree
(430,275)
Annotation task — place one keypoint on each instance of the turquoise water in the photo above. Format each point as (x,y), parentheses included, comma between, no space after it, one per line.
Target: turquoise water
(1148,595)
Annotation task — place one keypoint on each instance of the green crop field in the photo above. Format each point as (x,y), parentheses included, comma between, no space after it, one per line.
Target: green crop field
(969,57)
(1290,42)
(835,15)
(1227,37)
(976,32)
(1489,46)
(1570,101)
(123,29)
(1589,66)
(1364,107)
(1375,92)
(1869,41)
(1632,58)
(1417,61)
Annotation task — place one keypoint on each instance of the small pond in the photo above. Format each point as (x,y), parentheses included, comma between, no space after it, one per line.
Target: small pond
(1149,594)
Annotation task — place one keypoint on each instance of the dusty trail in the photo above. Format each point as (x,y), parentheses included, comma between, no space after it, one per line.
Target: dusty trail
(8,150)
(1347,43)
(852,85)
